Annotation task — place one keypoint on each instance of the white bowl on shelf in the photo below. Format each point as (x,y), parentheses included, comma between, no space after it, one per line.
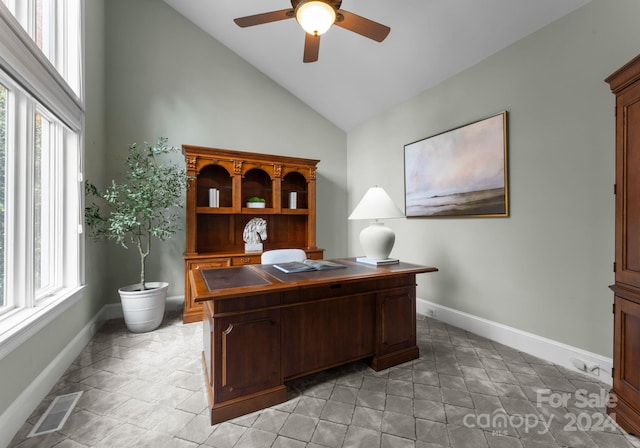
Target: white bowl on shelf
(256,205)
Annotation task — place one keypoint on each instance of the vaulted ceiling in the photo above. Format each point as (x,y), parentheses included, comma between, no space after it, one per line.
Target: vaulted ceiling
(355,78)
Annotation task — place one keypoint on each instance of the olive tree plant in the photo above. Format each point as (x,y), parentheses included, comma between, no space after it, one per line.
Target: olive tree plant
(143,205)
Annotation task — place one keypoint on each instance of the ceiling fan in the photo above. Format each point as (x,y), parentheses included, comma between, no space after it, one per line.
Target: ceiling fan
(316,17)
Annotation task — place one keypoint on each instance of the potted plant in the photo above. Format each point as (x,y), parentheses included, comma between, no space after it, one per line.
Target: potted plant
(134,211)
(255,202)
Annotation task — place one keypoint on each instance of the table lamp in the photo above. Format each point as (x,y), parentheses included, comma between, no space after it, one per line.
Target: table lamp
(376,239)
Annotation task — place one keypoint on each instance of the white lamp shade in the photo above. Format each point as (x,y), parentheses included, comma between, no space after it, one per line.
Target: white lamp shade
(315,16)
(376,204)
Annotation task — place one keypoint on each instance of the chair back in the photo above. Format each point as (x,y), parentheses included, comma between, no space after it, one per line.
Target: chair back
(282,256)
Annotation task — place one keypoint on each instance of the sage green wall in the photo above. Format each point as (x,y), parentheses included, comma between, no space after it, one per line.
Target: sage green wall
(546,268)
(95,138)
(21,367)
(167,77)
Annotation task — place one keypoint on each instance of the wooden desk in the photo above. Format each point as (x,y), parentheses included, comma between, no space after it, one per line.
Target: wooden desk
(263,327)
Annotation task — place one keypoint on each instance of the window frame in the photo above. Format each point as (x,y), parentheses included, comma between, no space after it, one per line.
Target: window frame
(34,85)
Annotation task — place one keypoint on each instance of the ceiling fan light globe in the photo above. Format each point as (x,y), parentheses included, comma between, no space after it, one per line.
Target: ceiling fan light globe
(315,16)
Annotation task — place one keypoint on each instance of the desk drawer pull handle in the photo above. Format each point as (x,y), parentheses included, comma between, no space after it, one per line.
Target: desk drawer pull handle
(336,286)
(246,260)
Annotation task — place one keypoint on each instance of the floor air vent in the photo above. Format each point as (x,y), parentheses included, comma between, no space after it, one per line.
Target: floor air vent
(56,414)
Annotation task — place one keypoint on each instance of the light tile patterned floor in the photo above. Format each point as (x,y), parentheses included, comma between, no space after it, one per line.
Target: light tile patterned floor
(146,390)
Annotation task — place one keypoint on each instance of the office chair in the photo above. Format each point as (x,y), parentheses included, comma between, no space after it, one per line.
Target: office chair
(282,256)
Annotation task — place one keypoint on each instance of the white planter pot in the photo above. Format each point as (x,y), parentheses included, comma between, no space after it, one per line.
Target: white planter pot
(143,310)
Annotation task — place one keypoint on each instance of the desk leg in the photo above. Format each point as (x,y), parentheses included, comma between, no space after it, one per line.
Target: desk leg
(382,362)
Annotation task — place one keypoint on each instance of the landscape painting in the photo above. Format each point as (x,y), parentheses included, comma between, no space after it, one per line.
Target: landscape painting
(461,172)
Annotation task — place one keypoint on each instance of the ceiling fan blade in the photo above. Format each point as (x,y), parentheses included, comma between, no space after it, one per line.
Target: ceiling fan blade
(267,17)
(360,25)
(311,48)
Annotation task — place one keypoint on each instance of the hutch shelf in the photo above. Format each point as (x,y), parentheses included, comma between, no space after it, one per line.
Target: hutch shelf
(217,209)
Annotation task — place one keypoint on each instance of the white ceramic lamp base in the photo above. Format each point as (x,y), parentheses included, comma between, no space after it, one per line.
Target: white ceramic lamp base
(377,241)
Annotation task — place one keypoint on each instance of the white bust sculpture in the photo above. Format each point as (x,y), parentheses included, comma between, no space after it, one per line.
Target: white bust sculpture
(254,231)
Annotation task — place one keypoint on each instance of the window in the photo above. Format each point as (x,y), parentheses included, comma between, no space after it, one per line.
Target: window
(46,190)
(41,125)
(53,25)
(42,32)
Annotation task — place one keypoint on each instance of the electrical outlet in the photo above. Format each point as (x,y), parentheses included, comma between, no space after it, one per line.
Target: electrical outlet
(586,366)
(431,312)
(94,329)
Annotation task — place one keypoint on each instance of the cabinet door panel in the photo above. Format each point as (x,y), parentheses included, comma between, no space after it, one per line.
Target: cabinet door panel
(626,379)
(248,349)
(397,319)
(628,195)
(327,333)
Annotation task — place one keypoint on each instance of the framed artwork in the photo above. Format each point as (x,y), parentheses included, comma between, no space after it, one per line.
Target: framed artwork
(459,173)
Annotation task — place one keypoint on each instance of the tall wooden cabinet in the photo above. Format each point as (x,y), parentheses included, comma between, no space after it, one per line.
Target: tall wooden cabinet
(625,84)
(215,233)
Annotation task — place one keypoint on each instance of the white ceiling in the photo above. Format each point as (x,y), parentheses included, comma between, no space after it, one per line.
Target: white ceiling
(355,78)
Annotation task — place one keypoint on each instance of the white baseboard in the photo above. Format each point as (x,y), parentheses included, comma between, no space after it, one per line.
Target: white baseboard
(544,348)
(175,303)
(17,413)
(114,310)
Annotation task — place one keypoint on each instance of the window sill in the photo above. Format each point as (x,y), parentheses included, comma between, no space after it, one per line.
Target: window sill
(20,325)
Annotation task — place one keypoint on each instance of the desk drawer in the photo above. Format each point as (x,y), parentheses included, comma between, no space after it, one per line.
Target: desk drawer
(339,289)
(246,304)
(246,259)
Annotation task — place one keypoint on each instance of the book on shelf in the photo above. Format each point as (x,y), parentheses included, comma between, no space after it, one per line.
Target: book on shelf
(214,197)
(307,265)
(377,262)
(293,199)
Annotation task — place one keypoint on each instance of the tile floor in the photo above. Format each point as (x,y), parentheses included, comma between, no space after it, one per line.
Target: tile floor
(146,390)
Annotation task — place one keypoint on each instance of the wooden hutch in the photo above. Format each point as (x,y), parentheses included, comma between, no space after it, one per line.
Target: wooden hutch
(215,233)
(625,84)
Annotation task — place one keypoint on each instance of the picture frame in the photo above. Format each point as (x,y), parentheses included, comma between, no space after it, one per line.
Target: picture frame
(461,172)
